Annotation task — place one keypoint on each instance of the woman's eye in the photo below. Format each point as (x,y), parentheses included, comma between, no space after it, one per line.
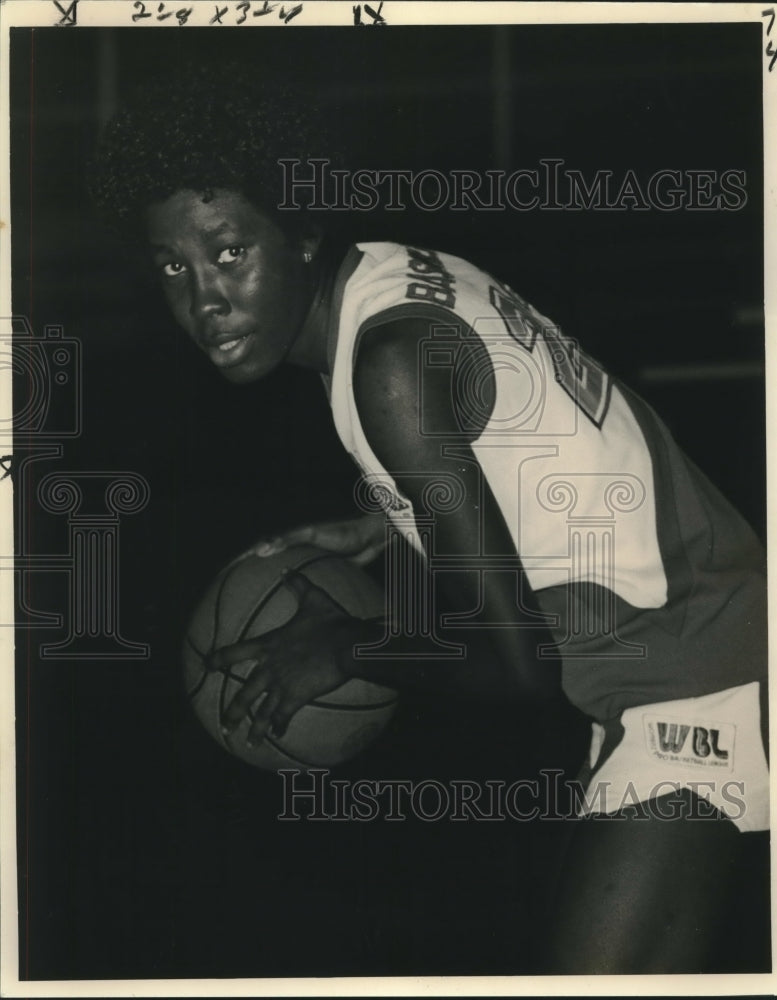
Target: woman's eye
(230,254)
(172,269)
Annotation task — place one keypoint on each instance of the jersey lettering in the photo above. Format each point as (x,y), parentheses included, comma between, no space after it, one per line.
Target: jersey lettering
(705,742)
(672,737)
(578,375)
(432,283)
(515,315)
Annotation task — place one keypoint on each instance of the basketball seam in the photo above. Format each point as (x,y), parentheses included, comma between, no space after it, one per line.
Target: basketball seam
(281,749)
(276,587)
(226,674)
(191,695)
(262,601)
(337,707)
(196,650)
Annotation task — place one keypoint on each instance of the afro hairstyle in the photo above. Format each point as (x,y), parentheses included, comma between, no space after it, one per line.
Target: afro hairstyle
(200,129)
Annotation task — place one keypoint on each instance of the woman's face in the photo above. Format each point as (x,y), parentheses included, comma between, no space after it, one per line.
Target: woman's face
(234,280)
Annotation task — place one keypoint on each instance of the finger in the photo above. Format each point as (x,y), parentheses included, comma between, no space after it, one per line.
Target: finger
(367,555)
(271,546)
(267,547)
(298,536)
(241,704)
(227,656)
(264,547)
(342,537)
(283,715)
(262,718)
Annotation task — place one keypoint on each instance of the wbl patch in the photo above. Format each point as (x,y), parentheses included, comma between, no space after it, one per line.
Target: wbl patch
(710,745)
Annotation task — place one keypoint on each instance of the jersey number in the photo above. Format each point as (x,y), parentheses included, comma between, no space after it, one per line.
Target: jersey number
(585,381)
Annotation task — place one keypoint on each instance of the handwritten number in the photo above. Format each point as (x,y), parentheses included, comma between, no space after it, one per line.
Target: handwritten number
(183,14)
(770,50)
(292,13)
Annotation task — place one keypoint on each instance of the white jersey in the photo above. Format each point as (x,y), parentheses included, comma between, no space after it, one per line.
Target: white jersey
(545,455)
(602,507)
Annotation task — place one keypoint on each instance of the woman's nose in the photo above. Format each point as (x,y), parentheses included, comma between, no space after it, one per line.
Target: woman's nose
(208,298)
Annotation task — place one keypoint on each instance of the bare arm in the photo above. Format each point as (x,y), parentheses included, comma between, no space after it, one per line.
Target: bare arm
(390,385)
(314,652)
(360,539)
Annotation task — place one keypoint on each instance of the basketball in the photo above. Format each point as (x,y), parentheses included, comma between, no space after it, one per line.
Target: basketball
(246,600)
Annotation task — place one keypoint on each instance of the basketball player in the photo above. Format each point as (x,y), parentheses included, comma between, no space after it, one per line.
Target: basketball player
(598,561)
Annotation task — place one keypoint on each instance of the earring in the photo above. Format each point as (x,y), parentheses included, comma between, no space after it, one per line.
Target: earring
(307,256)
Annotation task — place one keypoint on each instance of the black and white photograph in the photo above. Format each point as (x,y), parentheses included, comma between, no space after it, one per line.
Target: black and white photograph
(384,479)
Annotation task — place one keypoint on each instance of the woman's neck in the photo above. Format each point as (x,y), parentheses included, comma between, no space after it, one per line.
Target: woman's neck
(310,349)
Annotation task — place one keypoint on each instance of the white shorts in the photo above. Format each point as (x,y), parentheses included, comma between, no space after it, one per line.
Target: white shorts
(711,745)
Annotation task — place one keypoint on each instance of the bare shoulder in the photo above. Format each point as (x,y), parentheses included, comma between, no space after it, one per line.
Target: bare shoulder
(410,390)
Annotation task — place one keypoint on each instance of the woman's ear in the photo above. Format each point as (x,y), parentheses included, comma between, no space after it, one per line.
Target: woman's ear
(311,243)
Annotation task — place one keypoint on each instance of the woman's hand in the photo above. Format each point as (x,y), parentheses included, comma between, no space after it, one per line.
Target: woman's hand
(293,664)
(359,539)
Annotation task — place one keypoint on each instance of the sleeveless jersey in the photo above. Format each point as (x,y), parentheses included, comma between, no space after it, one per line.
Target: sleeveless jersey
(652,584)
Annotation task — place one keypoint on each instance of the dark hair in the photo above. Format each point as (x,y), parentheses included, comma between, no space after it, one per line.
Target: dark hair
(201,129)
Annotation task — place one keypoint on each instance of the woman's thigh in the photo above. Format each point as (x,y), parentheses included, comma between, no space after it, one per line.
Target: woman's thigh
(644,894)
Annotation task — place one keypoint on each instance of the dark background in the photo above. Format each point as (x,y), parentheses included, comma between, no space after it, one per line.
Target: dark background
(145,850)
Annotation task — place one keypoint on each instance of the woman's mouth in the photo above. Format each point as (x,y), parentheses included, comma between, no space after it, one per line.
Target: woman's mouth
(229,352)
